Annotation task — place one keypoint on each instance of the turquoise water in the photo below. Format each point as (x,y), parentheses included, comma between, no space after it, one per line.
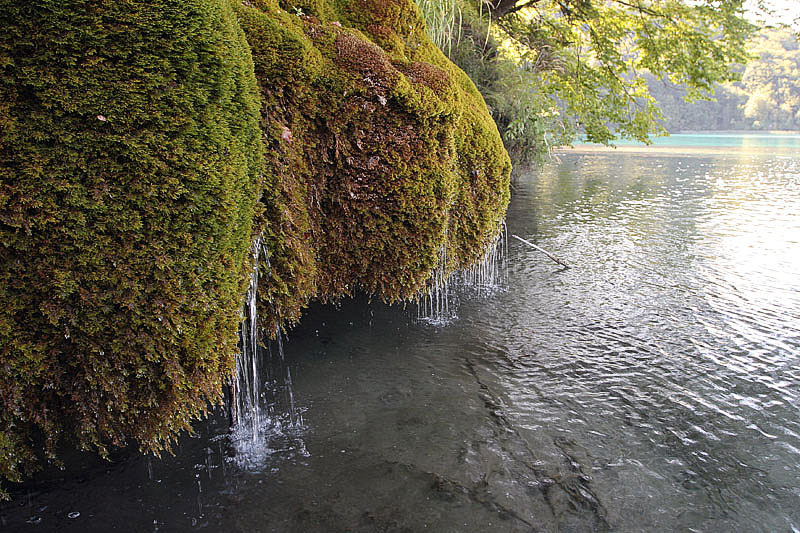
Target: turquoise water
(724,140)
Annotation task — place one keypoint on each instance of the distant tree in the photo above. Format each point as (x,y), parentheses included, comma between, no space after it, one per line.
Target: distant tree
(772,82)
(553,69)
(767,97)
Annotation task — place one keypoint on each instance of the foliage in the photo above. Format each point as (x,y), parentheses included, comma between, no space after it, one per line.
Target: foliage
(130,168)
(766,98)
(579,63)
(524,111)
(443,21)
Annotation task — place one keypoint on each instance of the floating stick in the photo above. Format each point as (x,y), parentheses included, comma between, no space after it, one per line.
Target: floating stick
(545,252)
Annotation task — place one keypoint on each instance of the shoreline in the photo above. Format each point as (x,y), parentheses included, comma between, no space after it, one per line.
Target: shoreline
(678,150)
(735,132)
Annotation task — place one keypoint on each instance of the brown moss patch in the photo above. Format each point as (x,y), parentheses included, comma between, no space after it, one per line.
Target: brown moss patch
(380,175)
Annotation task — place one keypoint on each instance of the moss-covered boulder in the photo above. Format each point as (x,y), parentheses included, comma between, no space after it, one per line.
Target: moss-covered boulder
(130,170)
(381,153)
(135,141)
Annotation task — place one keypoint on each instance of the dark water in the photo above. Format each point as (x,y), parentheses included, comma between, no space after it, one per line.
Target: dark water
(654,386)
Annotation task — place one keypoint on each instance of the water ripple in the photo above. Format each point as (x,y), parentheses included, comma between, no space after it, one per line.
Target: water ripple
(675,337)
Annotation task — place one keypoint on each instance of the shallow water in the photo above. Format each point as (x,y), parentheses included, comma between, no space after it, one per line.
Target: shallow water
(653,386)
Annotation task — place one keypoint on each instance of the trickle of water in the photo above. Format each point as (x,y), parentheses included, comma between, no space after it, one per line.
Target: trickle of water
(199,497)
(246,384)
(279,342)
(433,304)
(437,304)
(264,417)
(294,416)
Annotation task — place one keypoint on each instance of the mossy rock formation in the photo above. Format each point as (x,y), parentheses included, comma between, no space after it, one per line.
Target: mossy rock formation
(381,153)
(136,139)
(130,171)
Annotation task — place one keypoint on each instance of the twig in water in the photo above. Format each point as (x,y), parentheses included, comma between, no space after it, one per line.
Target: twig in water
(545,252)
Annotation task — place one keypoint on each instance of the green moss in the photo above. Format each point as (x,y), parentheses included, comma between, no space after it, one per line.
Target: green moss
(135,146)
(130,163)
(380,150)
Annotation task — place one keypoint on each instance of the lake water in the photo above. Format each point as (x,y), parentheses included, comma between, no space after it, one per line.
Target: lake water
(653,386)
(739,140)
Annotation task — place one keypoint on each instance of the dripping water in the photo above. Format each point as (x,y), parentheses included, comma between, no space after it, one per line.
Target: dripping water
(285,417)
(433,304)
(438,302)
(264,416)
(246,406)
(490,274)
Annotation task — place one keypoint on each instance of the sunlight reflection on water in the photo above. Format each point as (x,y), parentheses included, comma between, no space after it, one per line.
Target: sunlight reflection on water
(653,386)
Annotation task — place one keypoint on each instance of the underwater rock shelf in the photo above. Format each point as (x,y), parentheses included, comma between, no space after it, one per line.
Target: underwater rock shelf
(145,146)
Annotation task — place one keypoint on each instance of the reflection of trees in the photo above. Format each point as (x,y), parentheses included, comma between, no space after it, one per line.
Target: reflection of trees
(597,187)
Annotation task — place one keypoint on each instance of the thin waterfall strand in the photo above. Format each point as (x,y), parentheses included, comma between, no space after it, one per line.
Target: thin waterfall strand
(247,386)
(437,303)
(265,417)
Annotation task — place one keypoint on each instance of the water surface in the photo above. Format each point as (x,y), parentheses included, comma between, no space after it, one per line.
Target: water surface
(653,386)
(736,144)
(744,140)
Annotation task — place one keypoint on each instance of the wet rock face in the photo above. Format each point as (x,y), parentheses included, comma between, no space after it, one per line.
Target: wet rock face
(144,145)
(380,152)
